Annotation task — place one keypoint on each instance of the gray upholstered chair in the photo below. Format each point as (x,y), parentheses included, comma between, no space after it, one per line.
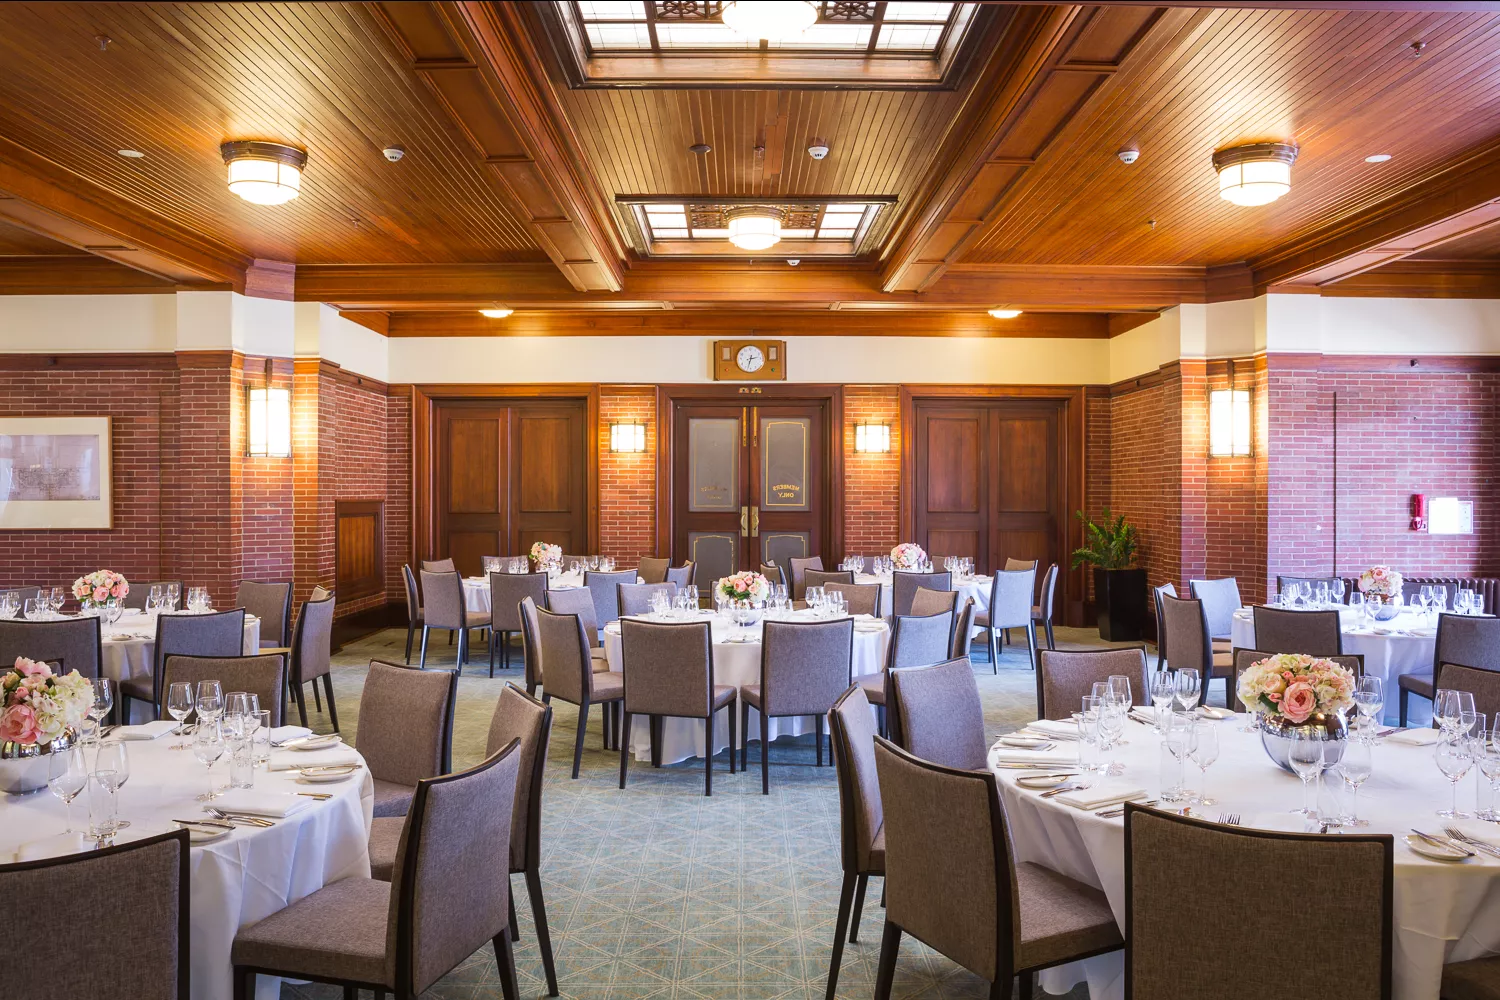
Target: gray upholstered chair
(799,568)
(1476,979)
(445,899)
(652,570)
(272,604)
(963,630)
(935,713)
(1241,921)
(580,602)
(904,587)
(1041,612)
(570,675)
(517,716)
(531,649)
(851,738)
(221,633)
(312,657)
(263,675)
(1465,640)
(604,589)
(1157,593)
(568,560)
(1066,677)
(915,642)
(774,573)
(24,594)
(405,730)
(507,591)
(1481,682)
(1188,646)
(1243,658)
(138,944)
(140,591)
(1010,607)
(932,602)
(438,566)
(444,607)
(71,643)
(971,900)
(822,578)
(635,598)
(669,672)
(861,598)
(1221,599)
(319,593)
(1282,630)
(1011,565)
(804,667)
(413,607)
(682,576)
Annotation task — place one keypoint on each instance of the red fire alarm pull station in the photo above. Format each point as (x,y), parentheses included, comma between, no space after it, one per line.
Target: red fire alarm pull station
(1419,512)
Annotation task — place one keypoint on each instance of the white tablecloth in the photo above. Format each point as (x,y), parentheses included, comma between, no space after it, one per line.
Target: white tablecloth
(129,650)
(738,663)
(1443,912)
(977,587)
(238,880)
(477,589)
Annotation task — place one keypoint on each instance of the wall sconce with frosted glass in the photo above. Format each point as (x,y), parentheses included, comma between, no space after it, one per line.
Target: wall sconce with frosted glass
(872,439)
(627,438)
(1229,423)
(269,414)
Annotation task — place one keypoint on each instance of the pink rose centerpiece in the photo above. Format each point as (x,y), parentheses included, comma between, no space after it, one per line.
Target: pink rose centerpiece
(38,713)
(1291,690)
(547,557)
(100,587)
(908,556)
(1380,582)
(745,586)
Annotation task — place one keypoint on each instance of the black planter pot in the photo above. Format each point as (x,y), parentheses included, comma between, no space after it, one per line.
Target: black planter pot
(1120,597)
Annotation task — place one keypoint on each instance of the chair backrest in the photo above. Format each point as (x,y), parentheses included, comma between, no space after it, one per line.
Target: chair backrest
(24,594)
(272,604)
(1244,658)
(682,576)
(312,641)
(1468,640)
(1066,677)
(1010,598)
(519,716)
(652,570)
(956,900)
(1221,599)
(140,591)
(220,633)
(568,561)
(319,593)
(1242,921)
(507,590)
(800,566)
(74,641)
(822,578)
(862,598)
(963,631)
(531,647)
(1282,630)
(635,598)
(449,898)
(1012,563)
(438,566)
(1185,632)
(1482,682)
(805,666)
(406,722)
(602,587)
(1048,592)
(263,675)
(904,587)
(936,714)
(851,736)
(413,600)
(933,602)
(773,572)
(1282,582)
(138,940)
(443,604)
(564,647)
(668,668)
(1157,593)
(919,642)
(578,602)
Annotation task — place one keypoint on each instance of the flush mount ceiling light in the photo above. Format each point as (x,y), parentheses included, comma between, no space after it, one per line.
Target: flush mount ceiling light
(754,227)
(772,20)
(1004,313)
(131,154)
(264,173)
(500,313)
(1377,157)
(1257,174)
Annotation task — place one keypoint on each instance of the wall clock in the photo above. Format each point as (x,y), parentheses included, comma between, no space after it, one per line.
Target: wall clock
(749,361)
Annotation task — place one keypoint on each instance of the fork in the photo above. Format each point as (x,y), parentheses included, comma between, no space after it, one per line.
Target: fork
(1049,793)
(1454,833)
(238,817)
(1229,819)
(1114,812)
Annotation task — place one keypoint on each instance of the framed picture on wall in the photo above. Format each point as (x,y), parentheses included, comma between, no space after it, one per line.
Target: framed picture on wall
(55,472)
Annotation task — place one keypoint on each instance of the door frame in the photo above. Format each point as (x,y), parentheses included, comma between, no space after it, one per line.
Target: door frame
(424,444)
(1071,443)
(829,397)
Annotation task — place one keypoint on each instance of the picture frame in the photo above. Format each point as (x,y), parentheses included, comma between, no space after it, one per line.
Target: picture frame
(56,473)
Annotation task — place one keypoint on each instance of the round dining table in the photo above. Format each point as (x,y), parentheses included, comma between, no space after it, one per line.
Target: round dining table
(976,587)
(736,653)
(477,589)
(234,881)
(1443,911)
(128,649)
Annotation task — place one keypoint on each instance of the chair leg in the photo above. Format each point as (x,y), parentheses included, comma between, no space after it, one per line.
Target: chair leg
(515,925)
(880,721)
(1001,989)
(301,697)
(744,728)
(818,739)
(1402,709)
(492,654)
(450,637)
(543,935)
(859,906)
(317,701)
(333,713)
(1031,643)
(1051,639)
(463,650)
(989,644)
(244,983)
(411,630)
(422,658)
(733,734)
(765,753)
(656,740)
(605,745)
(846,894)
(624,746)
(885,972)
(1028,979)
(351,993)
(708,756)
(506,960)
(583,725)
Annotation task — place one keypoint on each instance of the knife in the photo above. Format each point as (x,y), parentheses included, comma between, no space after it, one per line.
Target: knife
(1446,845)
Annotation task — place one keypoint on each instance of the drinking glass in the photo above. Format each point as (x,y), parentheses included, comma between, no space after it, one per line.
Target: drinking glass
(1440,597)
(102,705)
(10,604)
(154,599)
(236,704)
(104,808)
(1306,758)
(691,590)
(210,701)
(490,564)
(1338,590)
(208,747)
(1467,716)
(1355,767)
(1445,710)
(260,738)
(36,609)
(180,705)
(1088,735)
(1163,690)
(1488,752)
(112,766)
(1461,600)
(1369,698)
(1111,727)
(1203,750)
(813,596)
(1476,602)
(59,598)
(1453,760)
(1357,601)
(1322,595)
(67,775)
(1176,732)
(1187,688)
(1119,688)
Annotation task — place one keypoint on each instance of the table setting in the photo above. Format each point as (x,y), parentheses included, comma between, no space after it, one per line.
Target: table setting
(909,558)
(477,588)
(1313,756)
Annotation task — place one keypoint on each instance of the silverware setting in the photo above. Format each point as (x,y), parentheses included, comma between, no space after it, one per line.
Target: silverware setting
(233,817)
(210,825)
(1229,819)
(1115,812)
(1051,792)
(320,796)
(1440,842)
(1459,837)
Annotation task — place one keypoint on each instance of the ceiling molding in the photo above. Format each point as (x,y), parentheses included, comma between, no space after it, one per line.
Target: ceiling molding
(82,275)
(1419,6)
(1424,279)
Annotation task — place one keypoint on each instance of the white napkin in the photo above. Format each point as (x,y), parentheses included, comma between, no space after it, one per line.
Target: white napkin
(146,731)
(1105,793)
(288,733)
(1142,714)
(1010,755)
(1055,727)
(1282,822)
(1415,737)
(276,805)
(1021,741)
(296,761)
(51,847)
(1213,712)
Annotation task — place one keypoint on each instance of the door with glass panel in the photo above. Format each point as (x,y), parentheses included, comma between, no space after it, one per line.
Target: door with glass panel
(748,485)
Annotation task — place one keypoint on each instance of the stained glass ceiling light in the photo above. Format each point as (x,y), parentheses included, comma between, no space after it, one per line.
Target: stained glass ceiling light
(772,20)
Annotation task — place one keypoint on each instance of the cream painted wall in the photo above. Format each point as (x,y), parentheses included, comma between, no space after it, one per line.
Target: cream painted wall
(322,333)
(1306,323)
(53,324)
(1148,346)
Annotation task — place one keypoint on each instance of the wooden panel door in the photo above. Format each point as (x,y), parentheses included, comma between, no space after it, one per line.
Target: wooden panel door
(786,486)
(952,489)
(1026,485)
(472,486)
(549,476)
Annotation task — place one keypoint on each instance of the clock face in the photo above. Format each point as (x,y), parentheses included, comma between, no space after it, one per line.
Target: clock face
(750,359)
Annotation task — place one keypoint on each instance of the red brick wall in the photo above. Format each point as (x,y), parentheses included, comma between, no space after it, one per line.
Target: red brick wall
(398,478)
(1145,471)
(1097,477)
(872,481)
(267,497)
(627,481)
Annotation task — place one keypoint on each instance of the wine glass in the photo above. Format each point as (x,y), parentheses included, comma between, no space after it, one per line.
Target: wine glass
(1188,686)
(1203,750)
(154,597)
(1487,752)
(1337,589)
(1119,688)
(102,705)
(1369,698)
(1355,767)
(1306,758)
(210,701)
(59,598)
(1163,690)
(180,705)
(173,594)
(1440,597)
(208,747)
(35,609)
(1445,710)
(112,769)
(67,775)
(1467,716)
(1453,760)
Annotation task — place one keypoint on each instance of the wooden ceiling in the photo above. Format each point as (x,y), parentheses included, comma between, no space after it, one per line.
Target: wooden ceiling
(1007,185)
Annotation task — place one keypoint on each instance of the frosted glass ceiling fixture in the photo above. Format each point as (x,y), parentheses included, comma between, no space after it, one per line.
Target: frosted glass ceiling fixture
(772,20)
(1257,174)
(264,173)
(754,228)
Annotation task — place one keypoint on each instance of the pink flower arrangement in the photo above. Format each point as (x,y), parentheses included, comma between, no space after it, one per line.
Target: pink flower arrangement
(546,556)
(36,706)
(908,556)
(1295,687)
(746,586)
(100,586)
(1380,581)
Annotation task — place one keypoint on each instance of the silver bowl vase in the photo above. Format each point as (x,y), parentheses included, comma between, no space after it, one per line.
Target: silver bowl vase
(1275,736)
(24,767)
(1381,609)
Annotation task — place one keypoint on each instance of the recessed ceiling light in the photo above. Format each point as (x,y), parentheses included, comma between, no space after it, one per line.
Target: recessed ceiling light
(495,313)
(700,148)
(1377,157)
(133,154)
(1005,313)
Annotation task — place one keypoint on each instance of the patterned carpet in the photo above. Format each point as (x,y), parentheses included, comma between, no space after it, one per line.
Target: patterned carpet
(659,892)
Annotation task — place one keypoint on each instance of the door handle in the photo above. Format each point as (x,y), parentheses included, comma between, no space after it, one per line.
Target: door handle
(755,521)
(744,522)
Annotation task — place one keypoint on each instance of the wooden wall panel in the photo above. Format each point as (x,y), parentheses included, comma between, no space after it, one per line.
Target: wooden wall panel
(953,463)
(474,466)
(359,548)
(546,475)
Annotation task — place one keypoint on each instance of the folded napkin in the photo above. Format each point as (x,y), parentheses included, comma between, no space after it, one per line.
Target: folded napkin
(1105,793)
(252,802)
(1054,727)
(1024,741)
(1047,758)
(1414,737)
(1142,714)
(296,761)
(51,847)
(288,733)
(146,731)
(1212,712)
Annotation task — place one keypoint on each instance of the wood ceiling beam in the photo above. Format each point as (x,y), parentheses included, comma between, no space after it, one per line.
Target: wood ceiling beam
(482,66)
(80,275)
(1438,6)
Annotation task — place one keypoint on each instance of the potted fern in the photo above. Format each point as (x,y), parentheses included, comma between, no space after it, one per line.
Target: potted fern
(1119,586)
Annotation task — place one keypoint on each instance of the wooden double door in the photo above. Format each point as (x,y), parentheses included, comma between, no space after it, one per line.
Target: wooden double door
(749,484)
(508,474)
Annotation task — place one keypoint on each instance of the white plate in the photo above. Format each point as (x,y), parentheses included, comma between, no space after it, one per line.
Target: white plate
(1432,851)
(868,627)
(324,779)
(1038,782)
(1024,742)
(203,835)
(317,743)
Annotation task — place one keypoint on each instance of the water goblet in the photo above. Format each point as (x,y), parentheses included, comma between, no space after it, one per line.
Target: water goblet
(59,598)
(10,604)
(1488,752)
(1445,710)
(1440,597)
(173,594)
(260,735)
(1163,690)
(36,609)
(1119,688)
(1355,768)
(1337,589)
(112,763)
(210,701)
(208,747)
(1453,760)
(1306,758)
(1203,750)
(67,776)
(1188,687)
(1369,699)
(180,705)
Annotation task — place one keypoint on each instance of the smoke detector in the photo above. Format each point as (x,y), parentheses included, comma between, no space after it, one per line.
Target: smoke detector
(1129,156)
(818,150)
(393,153)
(794,261)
